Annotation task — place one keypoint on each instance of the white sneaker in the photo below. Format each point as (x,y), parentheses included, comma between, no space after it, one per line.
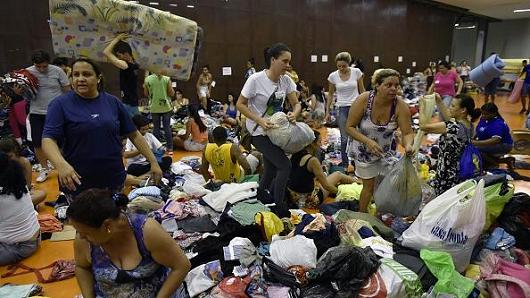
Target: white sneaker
(43,175)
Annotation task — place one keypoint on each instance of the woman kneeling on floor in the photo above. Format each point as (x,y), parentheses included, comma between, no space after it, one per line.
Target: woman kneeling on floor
(19,227)
(305,167)
(122,254)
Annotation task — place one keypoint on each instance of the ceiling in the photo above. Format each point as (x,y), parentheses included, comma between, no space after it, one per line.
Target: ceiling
(499,9)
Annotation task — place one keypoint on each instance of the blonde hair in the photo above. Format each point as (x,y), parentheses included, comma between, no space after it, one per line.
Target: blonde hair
(381,74)
(343,56)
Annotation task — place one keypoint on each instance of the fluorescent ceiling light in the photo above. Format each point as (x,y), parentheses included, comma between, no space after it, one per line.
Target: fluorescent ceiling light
(522,10)
(173,4)
(134,2)
(153,3)
(456,25)
(190,6)
(468,27)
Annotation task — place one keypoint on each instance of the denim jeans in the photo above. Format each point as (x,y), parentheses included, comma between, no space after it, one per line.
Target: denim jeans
(166,122)
(447,99)
(133,110)
(11,253)
(342,118)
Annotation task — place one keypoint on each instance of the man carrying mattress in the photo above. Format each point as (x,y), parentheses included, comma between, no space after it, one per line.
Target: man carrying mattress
(119,53)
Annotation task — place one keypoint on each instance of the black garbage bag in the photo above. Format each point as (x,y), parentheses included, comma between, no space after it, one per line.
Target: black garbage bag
(515,219)
(318,291)
(347,268)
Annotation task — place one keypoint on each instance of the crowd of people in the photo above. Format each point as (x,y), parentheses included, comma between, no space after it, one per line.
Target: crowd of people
(86,133)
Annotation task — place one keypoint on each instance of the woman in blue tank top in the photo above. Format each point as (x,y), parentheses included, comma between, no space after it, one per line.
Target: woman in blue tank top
(231,114)
(118,254)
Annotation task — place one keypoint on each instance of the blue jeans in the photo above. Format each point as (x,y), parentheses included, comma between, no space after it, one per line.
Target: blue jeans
(447,99)
(133,110)
(15,252)
(166,122)
(342,118)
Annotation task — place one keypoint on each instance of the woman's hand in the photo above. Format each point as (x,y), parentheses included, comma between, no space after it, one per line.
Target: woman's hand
(265,123)
(68,177)
(156,173)
(292,117)
(408,150)
(374,148)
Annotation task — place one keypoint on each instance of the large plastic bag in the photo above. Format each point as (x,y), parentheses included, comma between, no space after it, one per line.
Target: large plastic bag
(291,137)
(400,191)
(515,96)
(297,250)
(449,281)
(497,196)
(452,223)
(489,69)
(346,268)
(427,106)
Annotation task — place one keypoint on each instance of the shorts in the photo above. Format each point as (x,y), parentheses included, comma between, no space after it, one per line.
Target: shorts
(193,146)
(526,89)
(11,253)
(203,91)
(491,87)
(371,170)
(37,127)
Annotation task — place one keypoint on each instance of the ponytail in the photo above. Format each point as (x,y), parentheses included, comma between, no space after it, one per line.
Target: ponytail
(468,103)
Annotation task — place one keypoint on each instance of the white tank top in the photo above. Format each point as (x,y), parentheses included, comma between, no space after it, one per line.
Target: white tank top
(18,219)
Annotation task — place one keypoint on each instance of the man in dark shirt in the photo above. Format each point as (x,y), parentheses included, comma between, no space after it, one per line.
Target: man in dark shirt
(119,53)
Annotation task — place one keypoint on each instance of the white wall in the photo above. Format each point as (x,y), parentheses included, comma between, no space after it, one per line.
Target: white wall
(509,38)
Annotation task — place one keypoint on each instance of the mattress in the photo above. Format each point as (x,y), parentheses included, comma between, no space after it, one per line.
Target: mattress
(161,42)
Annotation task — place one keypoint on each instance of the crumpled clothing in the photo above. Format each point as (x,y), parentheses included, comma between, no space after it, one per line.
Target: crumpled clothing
(245,212)
(49,223)
(20,291)
(177,195)
(144,204)
(318,224)
(380,246)
(233,250)
(376,224)
(349,192)
(178,168)
(185,240)
(278,291)
(248,255)
(349,231)
(500,240)
(200,224)
(151,191)
(203,277)
(231,193)
(194,189)
(179,210)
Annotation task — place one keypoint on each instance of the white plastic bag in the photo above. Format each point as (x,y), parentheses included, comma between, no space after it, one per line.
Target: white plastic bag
(291,137)
(297,250)
(452,223)
(427,107)
(400,191)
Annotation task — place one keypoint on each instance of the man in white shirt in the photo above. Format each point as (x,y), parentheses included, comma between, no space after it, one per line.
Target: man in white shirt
(53,82)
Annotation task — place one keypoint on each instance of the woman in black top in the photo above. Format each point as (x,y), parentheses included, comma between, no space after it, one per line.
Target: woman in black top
(305,167)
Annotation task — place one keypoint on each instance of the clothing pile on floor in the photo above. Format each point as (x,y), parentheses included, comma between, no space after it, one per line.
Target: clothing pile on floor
(472,239)
(414,86)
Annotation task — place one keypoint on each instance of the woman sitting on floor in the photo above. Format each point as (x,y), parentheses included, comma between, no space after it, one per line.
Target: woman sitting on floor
(305,167)
(231,114)
(11,147)
(196,136)
(118,254)
(19,227)
(492,136)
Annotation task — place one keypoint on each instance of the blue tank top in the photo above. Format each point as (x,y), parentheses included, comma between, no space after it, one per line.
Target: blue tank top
(143,281)
(231,113)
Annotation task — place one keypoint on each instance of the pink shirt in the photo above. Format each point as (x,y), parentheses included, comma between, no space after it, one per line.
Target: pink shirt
(445,84)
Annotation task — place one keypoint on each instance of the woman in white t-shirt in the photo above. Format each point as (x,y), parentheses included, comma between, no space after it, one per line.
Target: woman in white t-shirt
(19,227)
(347,83)
(264,94)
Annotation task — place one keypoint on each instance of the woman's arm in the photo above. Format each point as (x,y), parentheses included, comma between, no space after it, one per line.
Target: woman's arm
(360,85)
(198,85)
(460,84)
(315,168)
(354,118)
(329,100)
(26,166)
(68,177)
(431,88)
(488,142)
(167,253)
(405,125)
(444,111)
(312,102)
(139,142)
(170,90)
(205,165)
(188,130)
(297,108)
(242,106)
(83,268)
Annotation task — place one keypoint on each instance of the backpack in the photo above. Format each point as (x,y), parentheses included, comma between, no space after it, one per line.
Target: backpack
(504,278)
(470,162)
